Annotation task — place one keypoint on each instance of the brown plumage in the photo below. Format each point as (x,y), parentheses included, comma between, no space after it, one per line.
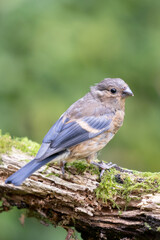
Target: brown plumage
(84,129)
(98,102)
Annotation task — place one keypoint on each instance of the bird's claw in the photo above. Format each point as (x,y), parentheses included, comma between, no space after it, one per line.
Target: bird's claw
(104,166)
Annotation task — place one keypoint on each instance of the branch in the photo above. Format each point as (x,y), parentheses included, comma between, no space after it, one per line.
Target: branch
(121,206)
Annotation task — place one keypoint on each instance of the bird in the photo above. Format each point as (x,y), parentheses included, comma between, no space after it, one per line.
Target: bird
(82,130)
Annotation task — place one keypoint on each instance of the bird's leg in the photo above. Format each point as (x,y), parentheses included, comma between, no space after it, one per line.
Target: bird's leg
(91,158)
(63,164)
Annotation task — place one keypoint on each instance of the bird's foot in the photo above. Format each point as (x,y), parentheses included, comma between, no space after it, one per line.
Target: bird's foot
(104,166)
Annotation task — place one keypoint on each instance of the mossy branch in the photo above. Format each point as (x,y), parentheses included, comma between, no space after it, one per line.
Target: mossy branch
(122,206)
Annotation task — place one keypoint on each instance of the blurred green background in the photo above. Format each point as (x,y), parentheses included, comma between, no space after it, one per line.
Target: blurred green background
(51,52)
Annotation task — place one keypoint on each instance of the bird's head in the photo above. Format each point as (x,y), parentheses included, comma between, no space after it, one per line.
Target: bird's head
(112,88)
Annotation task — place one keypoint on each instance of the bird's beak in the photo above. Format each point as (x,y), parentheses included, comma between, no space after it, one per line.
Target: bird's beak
(127,92)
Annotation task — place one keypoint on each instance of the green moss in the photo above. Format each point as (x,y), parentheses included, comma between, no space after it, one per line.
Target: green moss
(108,187)
(5,143)
(46,168)
(80,166)
(147,226)
(93,169)
(24,144)
(115,184)
(53,174)
(158,229)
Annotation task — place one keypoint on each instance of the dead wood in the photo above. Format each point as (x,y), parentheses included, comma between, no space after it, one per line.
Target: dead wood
(70,201)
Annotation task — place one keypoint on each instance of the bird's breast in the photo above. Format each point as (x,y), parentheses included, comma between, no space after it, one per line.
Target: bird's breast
(90,146)
(117,121)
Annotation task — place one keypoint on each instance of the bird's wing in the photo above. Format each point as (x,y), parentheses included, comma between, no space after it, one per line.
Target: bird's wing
(67,133)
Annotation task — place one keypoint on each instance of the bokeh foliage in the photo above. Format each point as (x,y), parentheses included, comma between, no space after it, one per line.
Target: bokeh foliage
(52,51)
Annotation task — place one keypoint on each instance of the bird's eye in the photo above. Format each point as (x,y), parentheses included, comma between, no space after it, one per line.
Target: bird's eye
(113,90)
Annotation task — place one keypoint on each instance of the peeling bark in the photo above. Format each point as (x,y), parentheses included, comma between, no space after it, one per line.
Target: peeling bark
(70,201)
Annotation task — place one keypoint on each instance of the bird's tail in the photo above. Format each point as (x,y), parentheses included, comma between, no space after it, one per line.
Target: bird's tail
(18,177)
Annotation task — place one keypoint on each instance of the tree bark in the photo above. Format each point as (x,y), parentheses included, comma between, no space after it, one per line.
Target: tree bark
(72,201)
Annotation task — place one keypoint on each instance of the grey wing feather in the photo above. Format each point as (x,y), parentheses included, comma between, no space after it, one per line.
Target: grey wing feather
(74,133)
(64,134)
(54,130)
